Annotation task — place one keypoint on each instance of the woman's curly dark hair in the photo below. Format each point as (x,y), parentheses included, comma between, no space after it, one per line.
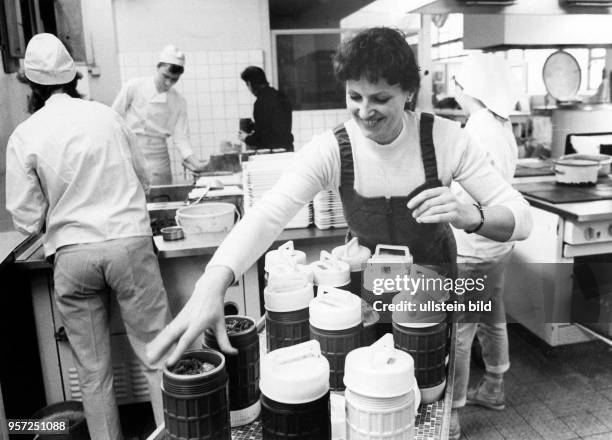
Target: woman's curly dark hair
(378,53)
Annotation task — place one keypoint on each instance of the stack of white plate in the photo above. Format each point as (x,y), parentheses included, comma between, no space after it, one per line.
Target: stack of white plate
(259,176)
(327,210)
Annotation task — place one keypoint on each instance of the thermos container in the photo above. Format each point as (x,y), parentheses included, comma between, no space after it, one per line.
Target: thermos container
(424,335)
(329,271)
(285,254)
(380,392)
(196,406)
(295,401)
(356,256)
(335,321)
(286,300)
(242,369)
(388,262)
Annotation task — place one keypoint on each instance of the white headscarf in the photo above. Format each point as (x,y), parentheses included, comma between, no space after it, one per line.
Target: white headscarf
(489,79)
(47,61)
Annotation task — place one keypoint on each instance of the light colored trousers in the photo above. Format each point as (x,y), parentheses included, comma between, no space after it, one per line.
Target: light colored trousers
(85,276)
(489,326)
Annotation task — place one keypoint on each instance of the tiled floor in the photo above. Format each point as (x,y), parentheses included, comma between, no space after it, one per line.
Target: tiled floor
(562,393)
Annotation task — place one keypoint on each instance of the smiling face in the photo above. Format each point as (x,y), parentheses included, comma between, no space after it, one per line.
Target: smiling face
(377,108)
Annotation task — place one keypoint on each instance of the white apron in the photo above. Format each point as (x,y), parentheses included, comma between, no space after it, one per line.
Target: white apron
(155,151)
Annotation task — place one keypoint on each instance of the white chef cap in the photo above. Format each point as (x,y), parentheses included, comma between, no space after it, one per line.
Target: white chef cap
(488,78)
(47,61)
(172,55)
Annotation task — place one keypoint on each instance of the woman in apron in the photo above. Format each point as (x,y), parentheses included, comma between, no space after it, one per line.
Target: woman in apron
(392,168)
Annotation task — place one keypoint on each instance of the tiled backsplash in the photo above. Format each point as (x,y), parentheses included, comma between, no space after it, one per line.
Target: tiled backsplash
(217,98)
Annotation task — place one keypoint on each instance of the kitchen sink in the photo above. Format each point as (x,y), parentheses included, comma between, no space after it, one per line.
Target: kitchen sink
(162,214)
(169,193)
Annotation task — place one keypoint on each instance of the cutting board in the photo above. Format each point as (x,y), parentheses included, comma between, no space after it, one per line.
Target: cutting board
(556,193)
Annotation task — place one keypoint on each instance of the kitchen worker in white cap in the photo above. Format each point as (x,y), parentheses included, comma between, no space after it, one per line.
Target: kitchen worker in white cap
(487,91)
(72,173)
(155,111)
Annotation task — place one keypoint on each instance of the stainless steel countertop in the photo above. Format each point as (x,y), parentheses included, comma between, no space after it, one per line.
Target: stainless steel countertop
(207,244)
(598,210)
(192,245)
(10,241)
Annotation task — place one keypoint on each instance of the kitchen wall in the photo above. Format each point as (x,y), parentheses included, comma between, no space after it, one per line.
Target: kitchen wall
(220,39)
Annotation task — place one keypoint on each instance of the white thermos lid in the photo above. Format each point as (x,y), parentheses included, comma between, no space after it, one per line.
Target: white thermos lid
(287,290)
(353,253)
(330,271)
(281,255)
(334,309)
(296,374)
(379,370)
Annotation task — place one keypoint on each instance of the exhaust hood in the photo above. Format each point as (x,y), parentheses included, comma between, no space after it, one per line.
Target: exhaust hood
(525,7)
(503,31)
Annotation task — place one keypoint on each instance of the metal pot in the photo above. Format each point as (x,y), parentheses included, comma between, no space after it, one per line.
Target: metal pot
(578,119)
(575,171)
(602,159)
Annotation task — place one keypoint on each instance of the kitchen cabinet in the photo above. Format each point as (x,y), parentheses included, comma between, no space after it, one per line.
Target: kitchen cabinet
(543,289)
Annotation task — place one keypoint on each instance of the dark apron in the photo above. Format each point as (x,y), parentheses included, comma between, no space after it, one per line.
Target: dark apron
(381,220)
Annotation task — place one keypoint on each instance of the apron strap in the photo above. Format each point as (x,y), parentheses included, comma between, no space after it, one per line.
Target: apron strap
(428,152)
(347,173)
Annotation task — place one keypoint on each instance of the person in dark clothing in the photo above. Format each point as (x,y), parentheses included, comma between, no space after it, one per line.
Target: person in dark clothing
(272,114)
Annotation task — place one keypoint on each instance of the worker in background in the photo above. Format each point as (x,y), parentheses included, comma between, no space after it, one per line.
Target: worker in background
(73,174)
(271,112)
(486,90)
(155,111)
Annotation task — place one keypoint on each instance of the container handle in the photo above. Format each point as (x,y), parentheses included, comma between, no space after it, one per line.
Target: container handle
(305,350)
(287,247)
(329,261)
(352,247)
(380,247)
(555,170)
(323,290)
(384,351)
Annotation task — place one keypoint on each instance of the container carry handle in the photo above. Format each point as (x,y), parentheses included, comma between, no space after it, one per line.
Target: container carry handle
(391,247)
(352,247)
(385,351)
(305,350)
(329,261)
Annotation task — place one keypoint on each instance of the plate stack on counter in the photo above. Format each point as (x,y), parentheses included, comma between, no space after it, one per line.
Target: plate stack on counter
(260,174)
(327,210)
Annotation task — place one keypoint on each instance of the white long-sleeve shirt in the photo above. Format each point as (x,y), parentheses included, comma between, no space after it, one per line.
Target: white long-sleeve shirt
(71,171)
(380,170)
(150,113)
(497,140)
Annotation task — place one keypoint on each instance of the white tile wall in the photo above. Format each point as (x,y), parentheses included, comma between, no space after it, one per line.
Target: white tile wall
(306,124)
(217,98)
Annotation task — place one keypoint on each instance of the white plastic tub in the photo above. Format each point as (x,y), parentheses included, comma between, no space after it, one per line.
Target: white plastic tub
(206,217)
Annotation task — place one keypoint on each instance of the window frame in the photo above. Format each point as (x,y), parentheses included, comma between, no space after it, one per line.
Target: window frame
(342,32)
